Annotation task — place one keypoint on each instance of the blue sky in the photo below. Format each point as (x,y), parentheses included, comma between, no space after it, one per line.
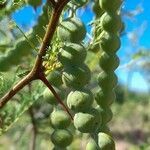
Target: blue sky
(142,19)
(27,17)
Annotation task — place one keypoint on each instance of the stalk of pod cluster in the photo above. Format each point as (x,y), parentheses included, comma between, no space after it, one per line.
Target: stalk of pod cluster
(111,25)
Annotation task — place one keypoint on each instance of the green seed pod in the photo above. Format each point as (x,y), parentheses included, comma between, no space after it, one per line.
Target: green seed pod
(92,145)
(80,100)
(105,141)
(107,81)
(49,97)
(111,22)
(110,6)
(87,122)
(110,42)
(72,53)
(61,138)
(76,76)
(105,98)
(55,78)
(71,30)
(108,62)
(60,119)
(106,114)
(79,3)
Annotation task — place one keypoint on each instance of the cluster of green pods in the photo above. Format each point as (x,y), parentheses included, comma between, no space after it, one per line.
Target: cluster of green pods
(61,137)
(76,75)
(109,43)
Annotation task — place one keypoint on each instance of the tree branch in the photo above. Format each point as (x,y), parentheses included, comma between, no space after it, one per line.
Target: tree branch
(45,81)
(49,34)
(38,68)
(26,80)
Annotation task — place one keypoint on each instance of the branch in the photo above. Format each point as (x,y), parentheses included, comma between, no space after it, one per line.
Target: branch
(49,34)
(45,81)
(26,80)
(38,68)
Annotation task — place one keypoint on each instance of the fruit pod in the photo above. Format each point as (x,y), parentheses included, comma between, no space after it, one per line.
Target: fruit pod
(105,141)
(88,121)
(71,30)
(111,22)
(61,138)
(72,53)
(106,39)
(109,78)
(80,100)
(111,25)
(108,63)
(92,145)
(55,78)
(106,114)
(76,75)
(105,98)
(59,119)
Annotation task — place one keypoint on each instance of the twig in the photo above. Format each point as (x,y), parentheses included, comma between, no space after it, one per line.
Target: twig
(45,81)
(49,34)
(26,80)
